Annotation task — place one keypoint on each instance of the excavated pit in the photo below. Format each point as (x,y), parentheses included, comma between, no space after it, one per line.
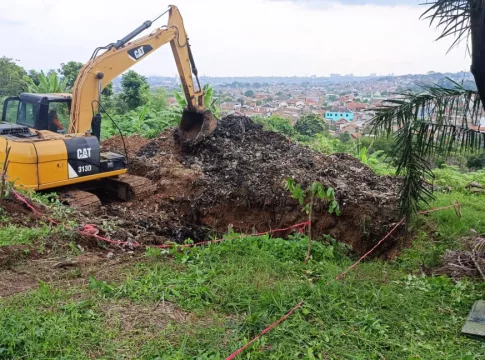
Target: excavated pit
(236,178)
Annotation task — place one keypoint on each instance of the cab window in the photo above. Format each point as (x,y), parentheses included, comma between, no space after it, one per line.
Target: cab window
(11,108)
(26,114)
(61,111)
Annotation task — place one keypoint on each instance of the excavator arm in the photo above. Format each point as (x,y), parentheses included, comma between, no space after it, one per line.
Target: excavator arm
(122,55)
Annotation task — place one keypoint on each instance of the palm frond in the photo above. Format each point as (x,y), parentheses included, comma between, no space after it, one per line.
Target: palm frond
(436,121)
(451,115)
(453,16)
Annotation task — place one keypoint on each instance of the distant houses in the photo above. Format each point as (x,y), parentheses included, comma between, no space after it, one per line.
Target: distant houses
(337,115)
(344,113)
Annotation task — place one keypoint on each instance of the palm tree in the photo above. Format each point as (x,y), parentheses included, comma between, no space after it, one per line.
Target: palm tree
(439,119)
(48,84)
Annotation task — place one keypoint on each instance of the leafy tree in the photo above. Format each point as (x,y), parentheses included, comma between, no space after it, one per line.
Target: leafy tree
(158,99)
(310,124)
(249,93)
(436,121)
(108,90)
(34,75)
(345,137)
(276,124)
(384,143)
(47,84)
(476,161)
(145,120)
(135,90)
(11,77)
(51,71)
(323,144)
(69,71)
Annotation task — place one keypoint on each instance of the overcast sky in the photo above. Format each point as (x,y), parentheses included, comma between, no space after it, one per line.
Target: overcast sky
(238,38)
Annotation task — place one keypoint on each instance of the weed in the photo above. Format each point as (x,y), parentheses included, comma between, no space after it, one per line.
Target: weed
(316,190)
(16,235)
(152,252)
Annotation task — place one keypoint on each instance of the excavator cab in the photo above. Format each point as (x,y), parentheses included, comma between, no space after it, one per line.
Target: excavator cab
(38,111)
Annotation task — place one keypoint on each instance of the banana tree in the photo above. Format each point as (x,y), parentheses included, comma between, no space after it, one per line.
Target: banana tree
(437,120)
(209,100)
(48,84)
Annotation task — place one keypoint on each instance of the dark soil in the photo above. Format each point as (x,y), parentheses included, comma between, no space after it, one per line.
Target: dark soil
(236,178)
(18,213)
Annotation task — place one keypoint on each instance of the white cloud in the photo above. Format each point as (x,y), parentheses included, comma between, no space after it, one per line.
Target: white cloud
(251,37)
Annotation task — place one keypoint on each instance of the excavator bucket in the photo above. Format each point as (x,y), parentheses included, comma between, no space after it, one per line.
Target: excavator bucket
(196,125)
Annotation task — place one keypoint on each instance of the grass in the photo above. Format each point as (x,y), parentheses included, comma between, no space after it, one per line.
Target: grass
(231,292)
(16,235)
(49,324)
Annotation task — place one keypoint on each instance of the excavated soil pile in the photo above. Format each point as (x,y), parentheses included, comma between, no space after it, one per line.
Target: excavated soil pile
(236,178)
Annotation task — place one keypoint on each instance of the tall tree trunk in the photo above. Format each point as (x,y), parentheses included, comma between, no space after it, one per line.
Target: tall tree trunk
(477,21)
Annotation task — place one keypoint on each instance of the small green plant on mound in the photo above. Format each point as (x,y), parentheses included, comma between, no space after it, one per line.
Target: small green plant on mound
(306,198)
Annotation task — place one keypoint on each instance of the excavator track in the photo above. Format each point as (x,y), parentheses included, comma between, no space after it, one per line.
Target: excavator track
(80,200)
(131,187)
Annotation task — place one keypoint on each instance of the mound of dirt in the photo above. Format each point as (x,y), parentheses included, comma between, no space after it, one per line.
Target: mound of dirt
(236,178)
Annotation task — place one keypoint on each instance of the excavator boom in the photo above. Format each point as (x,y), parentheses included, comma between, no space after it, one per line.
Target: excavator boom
(118,57)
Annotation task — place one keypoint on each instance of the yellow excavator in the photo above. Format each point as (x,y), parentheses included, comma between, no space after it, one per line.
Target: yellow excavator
(43,156)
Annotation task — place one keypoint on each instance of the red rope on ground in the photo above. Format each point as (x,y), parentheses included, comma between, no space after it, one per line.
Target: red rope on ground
(370,251)
(22,199)
(87,230)
(240,350)
(268,329)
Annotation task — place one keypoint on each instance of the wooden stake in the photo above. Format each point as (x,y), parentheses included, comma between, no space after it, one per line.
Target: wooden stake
(4,172)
